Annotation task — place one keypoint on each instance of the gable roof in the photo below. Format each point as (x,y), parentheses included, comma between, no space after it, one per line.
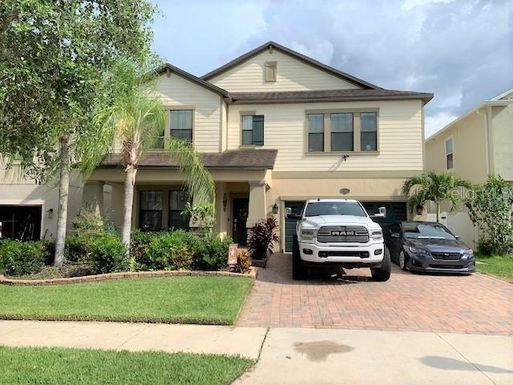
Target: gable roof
(305,59)
(169,68)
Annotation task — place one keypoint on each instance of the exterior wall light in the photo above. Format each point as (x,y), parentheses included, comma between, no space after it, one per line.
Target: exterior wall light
(344,191)
(276,208)
(49,213)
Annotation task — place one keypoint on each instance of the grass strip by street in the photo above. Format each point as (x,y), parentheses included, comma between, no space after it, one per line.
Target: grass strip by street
(500,266)
(59,366)
(201,300)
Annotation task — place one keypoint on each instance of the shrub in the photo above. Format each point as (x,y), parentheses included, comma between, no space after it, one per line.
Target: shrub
(243,261)
(78,247)
(89,221)
(22,258)
(108,254)
(171,250)
(139,248)
(262,236)
(211,253)
(489,207)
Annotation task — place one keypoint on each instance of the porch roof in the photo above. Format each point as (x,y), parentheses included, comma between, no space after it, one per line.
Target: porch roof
(246,159)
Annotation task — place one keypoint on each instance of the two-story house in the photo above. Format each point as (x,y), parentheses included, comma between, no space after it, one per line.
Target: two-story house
(274,128)
(474,146)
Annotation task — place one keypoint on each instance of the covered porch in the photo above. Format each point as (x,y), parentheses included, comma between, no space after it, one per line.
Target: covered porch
(242,179)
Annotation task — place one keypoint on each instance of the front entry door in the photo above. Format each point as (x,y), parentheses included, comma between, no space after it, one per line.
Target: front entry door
(240,217)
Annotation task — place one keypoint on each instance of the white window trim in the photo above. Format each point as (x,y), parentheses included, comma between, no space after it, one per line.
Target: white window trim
(449,153)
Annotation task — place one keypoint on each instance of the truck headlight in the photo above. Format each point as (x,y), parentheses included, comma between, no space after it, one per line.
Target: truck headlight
(308,234)
(377,234)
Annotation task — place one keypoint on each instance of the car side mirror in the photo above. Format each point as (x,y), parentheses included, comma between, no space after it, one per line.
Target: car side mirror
(395,235)
(457,236)
(382,213)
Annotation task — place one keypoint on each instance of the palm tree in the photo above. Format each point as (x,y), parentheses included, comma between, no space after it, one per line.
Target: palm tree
(136,119)
(435,187)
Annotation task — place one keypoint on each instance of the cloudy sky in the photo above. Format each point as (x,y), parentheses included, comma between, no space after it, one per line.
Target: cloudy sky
(461,50)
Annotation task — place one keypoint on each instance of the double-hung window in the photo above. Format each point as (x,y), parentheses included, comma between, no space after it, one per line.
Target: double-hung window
(177,201)
(449,154)
(369,131)
(150,213)
(181,124)
(252,130)
(342,132)
(315,132)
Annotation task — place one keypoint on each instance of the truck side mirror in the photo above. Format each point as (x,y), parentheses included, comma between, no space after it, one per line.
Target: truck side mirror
(288,211)
(382,213)
(395,235)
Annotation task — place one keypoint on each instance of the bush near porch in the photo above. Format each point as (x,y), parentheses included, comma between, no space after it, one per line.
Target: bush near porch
(103,252)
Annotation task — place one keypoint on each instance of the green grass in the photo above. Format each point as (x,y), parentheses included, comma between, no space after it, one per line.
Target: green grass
(57,366)
(498,265)
(203,300)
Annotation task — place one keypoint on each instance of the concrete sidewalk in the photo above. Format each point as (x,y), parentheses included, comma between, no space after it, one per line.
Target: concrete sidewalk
(298,356)
(363,357)
(134,336)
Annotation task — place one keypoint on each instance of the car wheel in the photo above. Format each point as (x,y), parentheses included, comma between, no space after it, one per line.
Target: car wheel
(382,273)
(298,268)
(403,261)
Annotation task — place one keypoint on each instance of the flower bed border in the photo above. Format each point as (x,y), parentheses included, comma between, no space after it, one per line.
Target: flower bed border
(122,275)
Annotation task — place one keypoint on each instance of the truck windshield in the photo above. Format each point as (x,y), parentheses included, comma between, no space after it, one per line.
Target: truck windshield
(334,208)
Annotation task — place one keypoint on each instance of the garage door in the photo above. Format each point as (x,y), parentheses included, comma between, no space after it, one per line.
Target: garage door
(290,223)
(396,211)
(21,222)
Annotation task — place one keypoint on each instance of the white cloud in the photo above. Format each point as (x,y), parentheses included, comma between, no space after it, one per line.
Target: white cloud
(436,122)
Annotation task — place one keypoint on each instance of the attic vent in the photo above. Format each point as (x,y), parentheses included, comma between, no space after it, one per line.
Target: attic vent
(270,68)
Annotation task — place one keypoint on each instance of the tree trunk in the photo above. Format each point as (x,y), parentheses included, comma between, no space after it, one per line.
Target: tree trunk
(62,215)
(128,204)
(437,212)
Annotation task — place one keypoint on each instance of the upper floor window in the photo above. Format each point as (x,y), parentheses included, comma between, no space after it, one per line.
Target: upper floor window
(449,154)
(369,131)
(181,124)
(315,132)
(252,130)
(342,132)
(270,68)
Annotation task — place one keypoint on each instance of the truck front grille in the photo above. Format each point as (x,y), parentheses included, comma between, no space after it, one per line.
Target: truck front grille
(343,234)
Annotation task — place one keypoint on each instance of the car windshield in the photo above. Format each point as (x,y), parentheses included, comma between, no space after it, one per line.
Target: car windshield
(426,230)
(334,208)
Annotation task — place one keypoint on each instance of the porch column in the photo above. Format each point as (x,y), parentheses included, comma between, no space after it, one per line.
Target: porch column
(222,199)
(92,197)
(116,212)
(257,203)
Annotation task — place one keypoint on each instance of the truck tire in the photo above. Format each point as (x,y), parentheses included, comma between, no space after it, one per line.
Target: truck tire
(298,268)
(382,273)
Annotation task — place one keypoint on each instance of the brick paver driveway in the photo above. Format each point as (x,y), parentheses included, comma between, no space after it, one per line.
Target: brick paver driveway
(408,302)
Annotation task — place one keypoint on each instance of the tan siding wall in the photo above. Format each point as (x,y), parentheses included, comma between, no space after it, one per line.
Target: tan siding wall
(176,91)
(399,130)
(292,74)
(502,123)
(470,155)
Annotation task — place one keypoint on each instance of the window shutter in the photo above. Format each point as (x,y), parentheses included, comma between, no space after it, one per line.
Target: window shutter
(258,130)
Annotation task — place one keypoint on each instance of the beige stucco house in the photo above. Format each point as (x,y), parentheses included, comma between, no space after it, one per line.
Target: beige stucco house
(474,146)
(274,128)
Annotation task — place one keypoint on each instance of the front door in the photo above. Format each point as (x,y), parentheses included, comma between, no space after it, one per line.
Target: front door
(240,217)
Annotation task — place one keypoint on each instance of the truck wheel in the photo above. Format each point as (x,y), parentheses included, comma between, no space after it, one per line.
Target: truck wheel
(382,273)
(298,268)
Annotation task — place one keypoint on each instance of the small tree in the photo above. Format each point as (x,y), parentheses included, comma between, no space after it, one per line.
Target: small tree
(490,208)
(262,236)
(434,187)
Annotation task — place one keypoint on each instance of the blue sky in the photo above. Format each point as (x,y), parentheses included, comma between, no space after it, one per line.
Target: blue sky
(461,50)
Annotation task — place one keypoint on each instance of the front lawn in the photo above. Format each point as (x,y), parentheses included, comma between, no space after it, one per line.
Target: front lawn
(57,366)
(202,299)
(498,265)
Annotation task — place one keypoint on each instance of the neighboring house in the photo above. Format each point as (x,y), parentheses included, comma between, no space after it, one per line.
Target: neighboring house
(474,146)
(274,128)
